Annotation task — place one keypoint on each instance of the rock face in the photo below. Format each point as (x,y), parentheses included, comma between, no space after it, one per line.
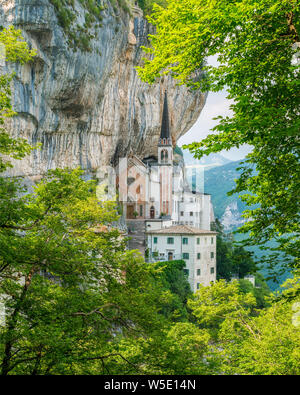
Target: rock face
(88,108)
(232,217)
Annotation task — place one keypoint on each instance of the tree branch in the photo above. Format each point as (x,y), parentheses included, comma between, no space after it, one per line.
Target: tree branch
(292,28)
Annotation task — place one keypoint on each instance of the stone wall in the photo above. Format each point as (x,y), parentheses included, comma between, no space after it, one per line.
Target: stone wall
(88,108)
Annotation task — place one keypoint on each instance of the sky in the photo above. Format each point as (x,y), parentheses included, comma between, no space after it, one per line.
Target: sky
(216,104)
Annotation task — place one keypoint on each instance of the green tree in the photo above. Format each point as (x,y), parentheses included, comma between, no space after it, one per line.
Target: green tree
(221,301)
(147,5)
(16,50)
(232,259)
(257,45)
(69,287)
(244,340)
(260,291)
(182,351)
(266,344)
(67,282)
(174,281)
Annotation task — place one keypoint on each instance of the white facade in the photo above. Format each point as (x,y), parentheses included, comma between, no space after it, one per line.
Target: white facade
(192,209)
(153,224)
(155,193)
(197,248)
(159,188)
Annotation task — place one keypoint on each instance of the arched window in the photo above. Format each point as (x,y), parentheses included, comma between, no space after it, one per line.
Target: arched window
(164,156)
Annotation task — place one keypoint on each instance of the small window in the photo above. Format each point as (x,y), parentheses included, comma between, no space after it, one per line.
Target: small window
(155,240)
(170,240)
(198,285)
(181,213)
(152,212)
(191,213)
(212,270)
(186,271)
(198,255)
(186,255)
(212,255)
(212,240)
(141,211)
(185,240)
(198,240)
(198,272)
(164,155)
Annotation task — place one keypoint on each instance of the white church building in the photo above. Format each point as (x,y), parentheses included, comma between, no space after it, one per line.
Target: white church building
(195,246)
(165,218)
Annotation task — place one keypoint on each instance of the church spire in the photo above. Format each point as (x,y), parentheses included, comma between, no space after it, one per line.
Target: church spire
(165,135)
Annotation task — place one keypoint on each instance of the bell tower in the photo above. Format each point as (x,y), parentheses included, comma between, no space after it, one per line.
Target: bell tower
(165,146)
(165,162)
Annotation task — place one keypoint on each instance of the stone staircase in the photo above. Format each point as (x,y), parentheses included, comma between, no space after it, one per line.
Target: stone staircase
(136,233)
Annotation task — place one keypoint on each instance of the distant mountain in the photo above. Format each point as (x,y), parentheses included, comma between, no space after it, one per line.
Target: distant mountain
(217,182)
(219,175)
(210,161)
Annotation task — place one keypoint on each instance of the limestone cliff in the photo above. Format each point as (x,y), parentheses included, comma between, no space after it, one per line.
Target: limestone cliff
(89,107)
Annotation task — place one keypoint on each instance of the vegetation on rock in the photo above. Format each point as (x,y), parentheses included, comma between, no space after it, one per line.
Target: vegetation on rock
(80,37)
(147,5)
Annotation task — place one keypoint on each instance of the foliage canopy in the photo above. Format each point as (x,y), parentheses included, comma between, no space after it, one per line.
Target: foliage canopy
(77,302)
(256,44)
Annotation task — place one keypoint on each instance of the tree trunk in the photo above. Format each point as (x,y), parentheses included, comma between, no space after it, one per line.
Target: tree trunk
(5,367)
